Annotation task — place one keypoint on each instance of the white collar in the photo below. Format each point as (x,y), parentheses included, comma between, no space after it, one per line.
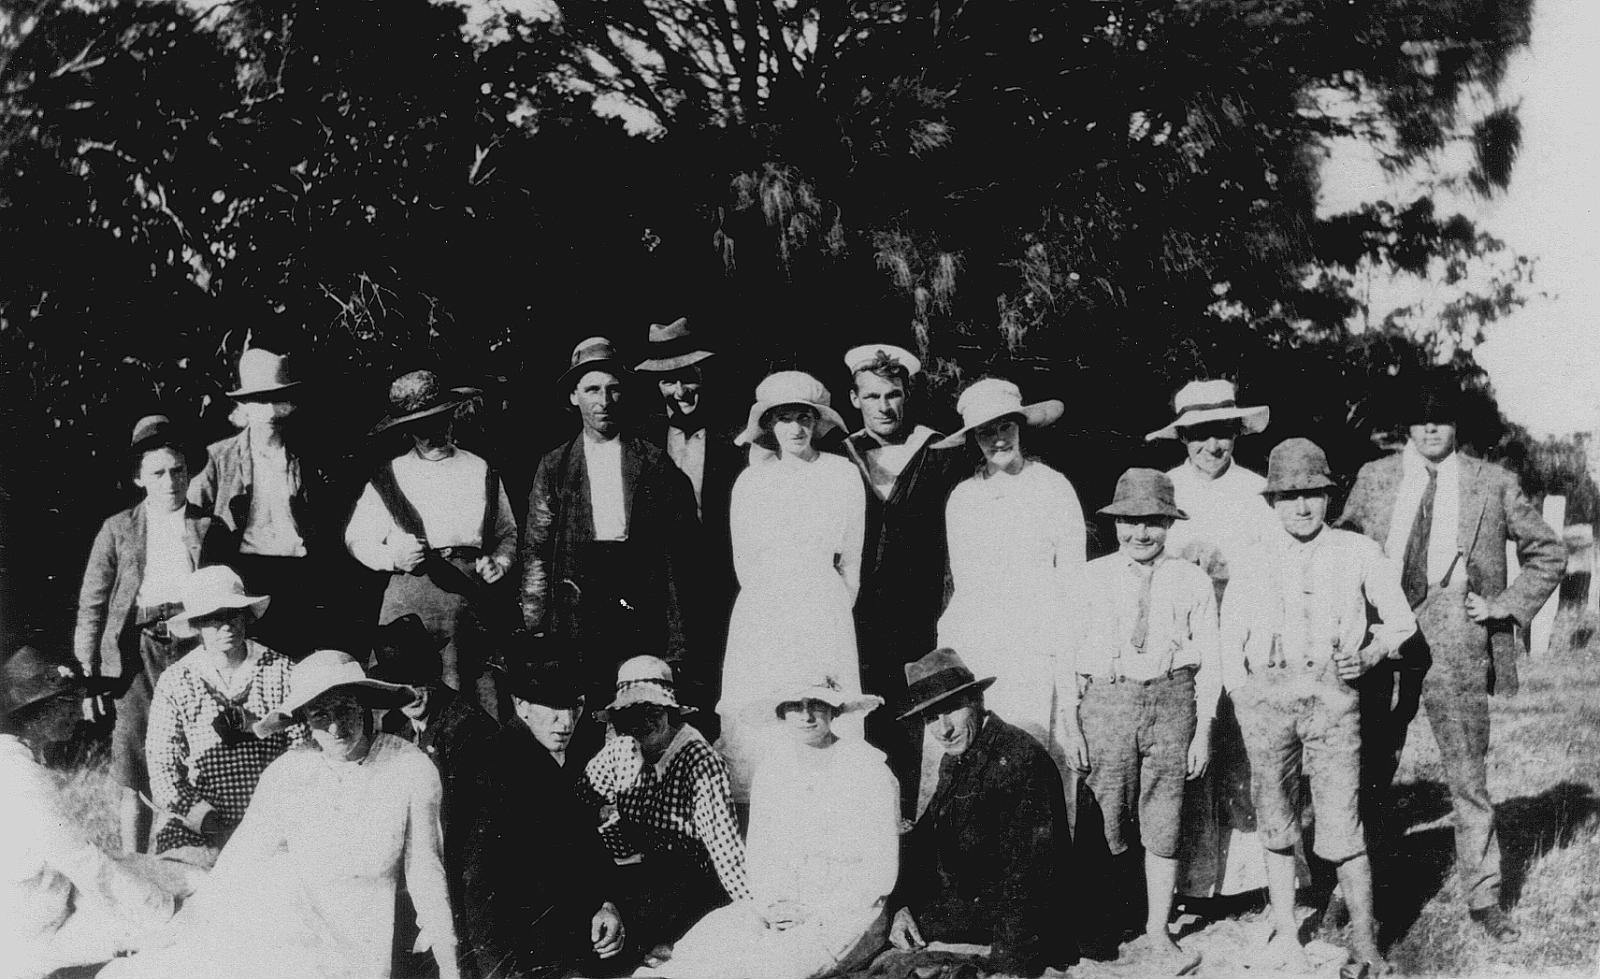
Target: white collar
(1412,459)
(684,736)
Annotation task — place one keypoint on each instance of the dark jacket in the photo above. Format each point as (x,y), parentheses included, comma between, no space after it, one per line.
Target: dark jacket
(224,485)
(988,862)
(548,871)
(660,513)
(115,571)
(1493,511)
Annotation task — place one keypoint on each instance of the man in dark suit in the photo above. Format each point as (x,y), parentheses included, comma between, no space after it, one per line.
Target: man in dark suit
(989,861)
(1447,519)
(610,533)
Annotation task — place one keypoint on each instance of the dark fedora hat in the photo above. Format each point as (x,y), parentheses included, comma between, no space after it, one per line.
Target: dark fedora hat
(937,677)
(551,682)
(418,394)
(404,651)
(29,677)
(1144,493)
(1437,397)
(593,354)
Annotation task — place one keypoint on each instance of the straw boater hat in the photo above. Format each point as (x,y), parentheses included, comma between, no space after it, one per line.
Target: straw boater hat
(1144,493)
(936,678)
(593,354)
(321,672)
(1199,402)
(993,397)
(827,690)
(263,376)
(1295,466)
(860,358)
(789,388)
(672,348)
(404,651)
(646,680)
(418,395)
(210,590)
(29,677)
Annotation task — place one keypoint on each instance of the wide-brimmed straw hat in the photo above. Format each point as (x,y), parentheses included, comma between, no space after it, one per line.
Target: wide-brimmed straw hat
(936,678)
(826,689)
(263,374)
(418,394)
(593,354)
(404,651)
(790,388)
(994,397)
(646,680)
(321,672)
(1144,493)
(209,590)
(671,347)
(1297,465)
(860,358)
(1199,402)
(29,677)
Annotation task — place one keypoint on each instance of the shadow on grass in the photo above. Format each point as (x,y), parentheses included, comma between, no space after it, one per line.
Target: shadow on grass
(1532,826)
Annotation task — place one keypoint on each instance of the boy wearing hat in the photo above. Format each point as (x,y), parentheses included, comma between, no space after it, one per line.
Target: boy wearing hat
(137,566)
(1142,691)
(1302,623)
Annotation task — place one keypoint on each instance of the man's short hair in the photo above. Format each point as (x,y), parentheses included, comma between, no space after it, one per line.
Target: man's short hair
(885,367)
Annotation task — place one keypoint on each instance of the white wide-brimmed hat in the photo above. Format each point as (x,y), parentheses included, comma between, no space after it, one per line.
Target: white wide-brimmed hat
(646,680)
(826,689)
(1199,402)
(263,374)
(996,397)
(209,590)
(790,388)
(862,357)
(322,671)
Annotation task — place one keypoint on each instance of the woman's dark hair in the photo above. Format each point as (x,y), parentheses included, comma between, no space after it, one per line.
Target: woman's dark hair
(791,705)
(767,416)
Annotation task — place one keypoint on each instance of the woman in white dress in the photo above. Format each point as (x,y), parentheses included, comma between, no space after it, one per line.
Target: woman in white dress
(1016,541)
(797,523)
(306,886)
(822,851)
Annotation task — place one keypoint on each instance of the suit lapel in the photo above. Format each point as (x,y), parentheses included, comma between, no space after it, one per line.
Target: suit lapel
(630,478)
(957,796)
(1471,507)
(1386,495)
(137,531)
(191,533)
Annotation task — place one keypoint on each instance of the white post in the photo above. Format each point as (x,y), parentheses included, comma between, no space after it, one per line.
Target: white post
(1555,514)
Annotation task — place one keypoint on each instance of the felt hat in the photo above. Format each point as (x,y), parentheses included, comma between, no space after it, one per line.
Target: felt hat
(860,358)
(593,354)
(1199,402)
(1144,493)
(1297,465)
(323,671)
(29,677)
(418,394)
(550,682)
(671,347)
(1437,398)
(404,651)
(993,397)
(936,678)
(209,590)
(646,680)
(826,689)
(156,432)
(789,388)
(263,376)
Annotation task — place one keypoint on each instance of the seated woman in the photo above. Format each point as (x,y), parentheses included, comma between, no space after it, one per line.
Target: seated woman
(306,885)
(822,853)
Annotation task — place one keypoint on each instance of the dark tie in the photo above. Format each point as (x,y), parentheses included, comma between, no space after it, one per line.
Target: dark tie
(1414,572)
(687,424)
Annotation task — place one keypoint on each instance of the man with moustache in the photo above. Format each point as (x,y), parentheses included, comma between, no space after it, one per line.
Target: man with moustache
(903,561)
(1447,519)
(610,532)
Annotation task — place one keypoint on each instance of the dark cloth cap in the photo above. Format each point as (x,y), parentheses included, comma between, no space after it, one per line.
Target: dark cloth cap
(1144,493)
(158,432)
(936,678)
(405,652)
(1297,465)
(29,677)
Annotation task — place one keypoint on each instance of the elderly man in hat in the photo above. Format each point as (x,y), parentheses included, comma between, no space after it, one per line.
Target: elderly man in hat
(1304,620)
(903,562)
(610,531)
(989,860)
(260,483)
(1141,692)
(551,879)
(437,521)
(137,566)
(1447,519)
(66,901)
(667,809)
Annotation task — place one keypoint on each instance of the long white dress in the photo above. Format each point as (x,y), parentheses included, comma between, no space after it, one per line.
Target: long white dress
(306,885)
(797,530)
(1016,543)
(823,835)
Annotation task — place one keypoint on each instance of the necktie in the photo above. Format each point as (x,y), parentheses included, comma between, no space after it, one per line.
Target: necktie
(1141,624)
(1414,571)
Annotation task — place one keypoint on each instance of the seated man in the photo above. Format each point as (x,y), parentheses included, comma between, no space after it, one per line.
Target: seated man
(667,806)
(65,901)
(1298,632)
(988,861)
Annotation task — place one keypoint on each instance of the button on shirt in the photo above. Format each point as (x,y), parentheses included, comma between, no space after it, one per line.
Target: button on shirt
(166,557)
(1442,543)
(1181,629)
(687,451)
(603,462)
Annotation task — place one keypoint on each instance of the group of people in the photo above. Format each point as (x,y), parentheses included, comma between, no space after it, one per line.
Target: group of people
(773,698)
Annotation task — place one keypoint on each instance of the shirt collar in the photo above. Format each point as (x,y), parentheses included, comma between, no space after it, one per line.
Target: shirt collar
(684,736)
(1412,459)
